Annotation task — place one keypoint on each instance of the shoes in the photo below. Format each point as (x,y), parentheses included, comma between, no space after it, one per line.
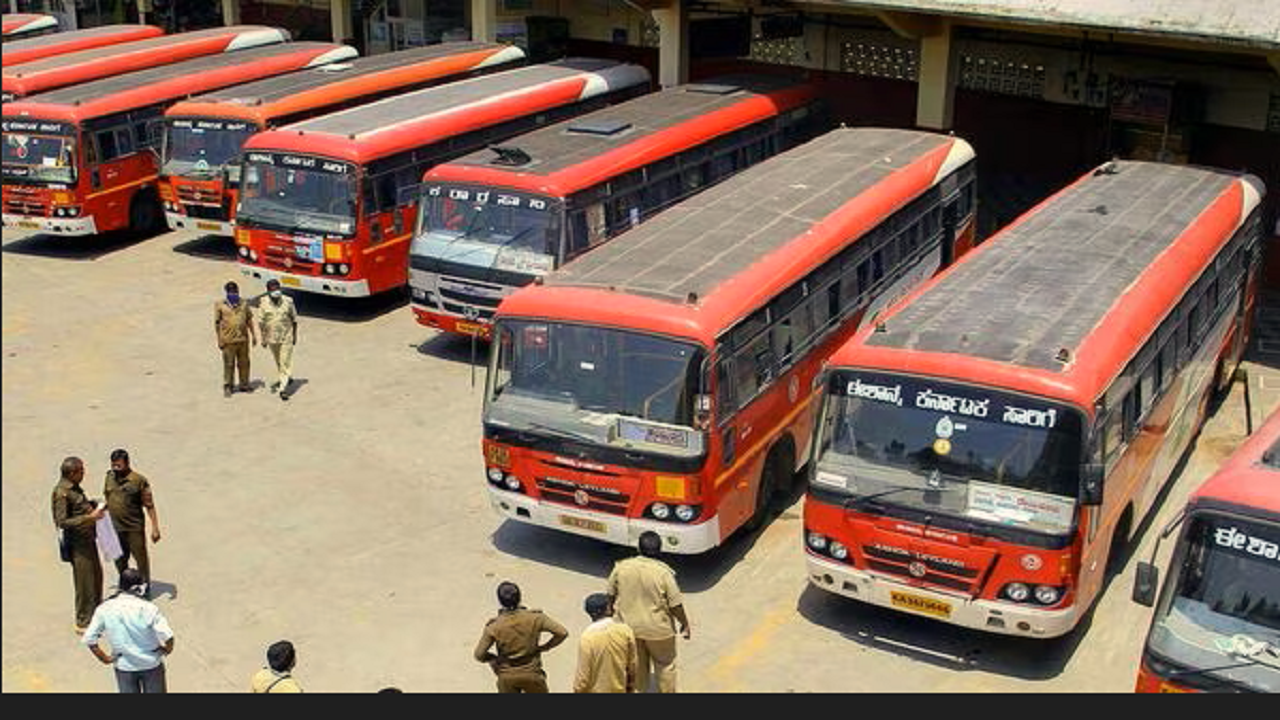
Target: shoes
(246,389)
(284,396)
(274,387)
(227,390)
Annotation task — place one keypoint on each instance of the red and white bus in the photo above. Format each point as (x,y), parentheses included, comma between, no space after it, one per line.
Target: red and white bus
(24,25)
(665,380)
(203,135)
(83,159)
(15,52)
(496,219)
(328,205)
(1216,627)
(73,68)
(990,443)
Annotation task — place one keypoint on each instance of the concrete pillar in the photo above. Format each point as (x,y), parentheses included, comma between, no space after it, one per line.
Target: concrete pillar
(230,12)
(936,90)
(340,20)
(673,43)
(484,20)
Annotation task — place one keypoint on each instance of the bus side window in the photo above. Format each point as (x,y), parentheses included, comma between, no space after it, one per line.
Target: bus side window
(1147,388)
(578,239)
(725,402)
(1112,434)
(1132,411)
(124,141)
(106,141)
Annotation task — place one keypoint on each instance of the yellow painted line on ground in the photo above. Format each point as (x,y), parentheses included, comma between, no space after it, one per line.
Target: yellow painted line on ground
(723,674)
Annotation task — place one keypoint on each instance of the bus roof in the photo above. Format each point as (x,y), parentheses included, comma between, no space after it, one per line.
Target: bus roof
(703,264)
(26,50)
(403,122)
(18,23)
(77,103)
(578,153)
(100,62)
(283,95)
(1087,275)
(1250,478)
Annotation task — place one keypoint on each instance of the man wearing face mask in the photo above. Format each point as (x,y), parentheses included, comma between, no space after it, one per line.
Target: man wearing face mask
(234,328)
(278,321)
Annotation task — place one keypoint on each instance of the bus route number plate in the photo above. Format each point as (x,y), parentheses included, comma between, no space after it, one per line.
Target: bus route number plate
(916,603)
(583,523)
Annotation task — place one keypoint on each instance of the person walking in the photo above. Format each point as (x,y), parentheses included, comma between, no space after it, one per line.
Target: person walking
(278,326)
(277,676)
(138,634)
(607,655)
(646,597)
(76,517)
(128,495)
(516,632)
(233,325)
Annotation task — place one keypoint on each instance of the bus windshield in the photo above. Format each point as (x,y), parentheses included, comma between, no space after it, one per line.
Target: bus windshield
(1220,611)
(980,455)
(40,158)
(497,228)
(291,198)
(200,148)
(610,387)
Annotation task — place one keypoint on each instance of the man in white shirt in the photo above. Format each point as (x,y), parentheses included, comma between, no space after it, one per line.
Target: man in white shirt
(138,633)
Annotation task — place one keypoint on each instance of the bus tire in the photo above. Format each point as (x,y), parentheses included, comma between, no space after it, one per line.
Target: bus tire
(766,492)
(145,215)
(1118,551)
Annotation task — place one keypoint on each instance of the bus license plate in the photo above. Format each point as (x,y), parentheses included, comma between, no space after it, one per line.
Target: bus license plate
(286,280)
(208,226)
(467,328)
(29,224)
(584,523)
(916,603)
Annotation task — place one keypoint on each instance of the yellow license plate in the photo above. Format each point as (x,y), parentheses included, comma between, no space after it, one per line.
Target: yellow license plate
(916,603)
(467,328)
(208,226)
(28,224)
(295,282)
(584,523)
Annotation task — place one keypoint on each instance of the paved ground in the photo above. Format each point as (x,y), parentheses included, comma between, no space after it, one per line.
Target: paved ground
(353,519)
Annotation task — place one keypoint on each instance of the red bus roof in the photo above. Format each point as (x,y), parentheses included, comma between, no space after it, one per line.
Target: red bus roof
(100,62)
(411,120)
(108,96)
(1085,276)
(578,153)
(19,23)
(266,100)
(698,267)
(26,50)
(1250,478)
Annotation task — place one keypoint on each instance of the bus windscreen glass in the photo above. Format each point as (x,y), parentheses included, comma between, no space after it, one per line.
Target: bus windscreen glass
(294,192)
(200,148)
(516,232)
(47,155)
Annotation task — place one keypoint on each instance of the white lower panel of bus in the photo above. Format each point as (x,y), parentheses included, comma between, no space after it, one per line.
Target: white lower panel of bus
(324,286)
(676,538)
(997,617)
(178,221)
(56,225)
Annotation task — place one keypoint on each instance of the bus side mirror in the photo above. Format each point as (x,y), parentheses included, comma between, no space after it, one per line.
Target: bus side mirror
(1091,483)
(1145,582)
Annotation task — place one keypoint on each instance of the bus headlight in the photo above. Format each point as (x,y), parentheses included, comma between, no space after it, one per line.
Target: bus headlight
(73,211)
(244,251)
(660,510)
(495,475)
(253,255)
(512,482)
(1047,594)
(1017,592)
(817,542)
(838,551)
(685,513)
(343,269)
(328,269)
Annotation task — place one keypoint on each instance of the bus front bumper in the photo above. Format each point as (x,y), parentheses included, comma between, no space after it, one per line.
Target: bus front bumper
(320,285)
(55,225)
(178,221)
(997,617)
(676,537)
(433,318)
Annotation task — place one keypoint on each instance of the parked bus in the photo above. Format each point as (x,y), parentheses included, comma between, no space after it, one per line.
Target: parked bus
(496,219)
(73,68)
(1217,625)
(665,380)
(203,135)
(83,159)
(15,52)
(989,444)
(17,26)
(328,205)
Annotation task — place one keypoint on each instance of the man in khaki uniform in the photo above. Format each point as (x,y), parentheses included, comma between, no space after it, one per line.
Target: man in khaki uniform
(277,677)
(234,328)
(278,325)
(607,659)
(516,631)
(74,514)
(128,495)
(646,597)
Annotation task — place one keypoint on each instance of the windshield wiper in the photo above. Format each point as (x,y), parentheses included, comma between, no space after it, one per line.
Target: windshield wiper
(860,499)
(561,433)
(1253,652)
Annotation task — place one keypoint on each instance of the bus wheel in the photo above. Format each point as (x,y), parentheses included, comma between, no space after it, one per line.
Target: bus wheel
(1118,552)
(144,213)
(769,482)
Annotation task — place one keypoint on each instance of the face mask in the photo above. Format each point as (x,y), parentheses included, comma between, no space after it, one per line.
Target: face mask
(233,298)
(276,294)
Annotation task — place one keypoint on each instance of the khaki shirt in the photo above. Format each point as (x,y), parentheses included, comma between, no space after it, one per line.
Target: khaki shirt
(71,510)
(265,681)
(517,634)
(644,591)
(607,658)
(232,322)
(276,322)
(126,498)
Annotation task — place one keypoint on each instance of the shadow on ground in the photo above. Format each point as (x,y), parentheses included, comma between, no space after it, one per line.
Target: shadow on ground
(346,309)
(208,247)
(457,349)
(81,248)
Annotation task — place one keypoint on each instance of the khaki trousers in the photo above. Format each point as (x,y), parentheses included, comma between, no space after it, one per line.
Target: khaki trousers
(522,681)
(662,653)
(283,355)
(235,357)
(86,575)
(134,544)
